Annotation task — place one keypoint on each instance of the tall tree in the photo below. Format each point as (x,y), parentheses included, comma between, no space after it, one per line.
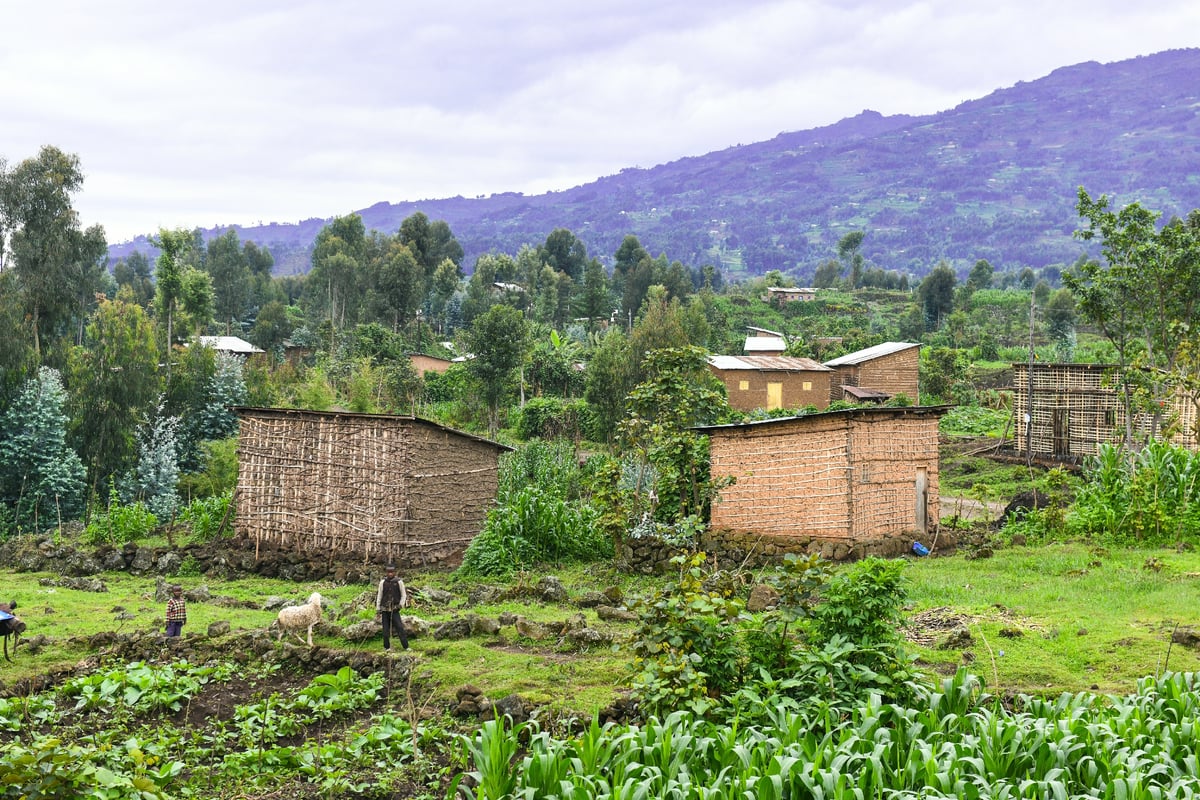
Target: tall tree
(55,262)
(113,385)
(168,278)
(230,271)
(936,294)
(41,478)
(497,342)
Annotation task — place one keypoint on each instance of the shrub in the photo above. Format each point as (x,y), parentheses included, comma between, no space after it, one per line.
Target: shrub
(554,418)
(119,523)
(205,516)
(535,526)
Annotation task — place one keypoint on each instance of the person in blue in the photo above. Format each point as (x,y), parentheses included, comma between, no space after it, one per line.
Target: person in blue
(176,612)
(390,598)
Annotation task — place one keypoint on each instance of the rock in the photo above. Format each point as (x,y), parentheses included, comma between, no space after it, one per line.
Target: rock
(198,595)
(80,564)
(513,706)
(484,626)
(484,595)
(454,629)
(1011,633)
(437,597)
(113,561)
(611,614)
(1186,636)
(363,631)
(275,602)
(507,618)
(143,561)
(591,600)
(467,690)
(466,708)
(959,639)
(530,629)
(219,628)
(415,627)
(589,637)
(550,589)
(168,563)
(762,598)
(615,596)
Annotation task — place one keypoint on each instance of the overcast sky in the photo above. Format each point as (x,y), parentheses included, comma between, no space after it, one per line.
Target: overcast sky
(188,114)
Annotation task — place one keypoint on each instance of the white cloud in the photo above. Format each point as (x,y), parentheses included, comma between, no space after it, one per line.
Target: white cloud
(188,114)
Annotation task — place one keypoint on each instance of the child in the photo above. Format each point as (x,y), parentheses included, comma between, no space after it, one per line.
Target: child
(176,612)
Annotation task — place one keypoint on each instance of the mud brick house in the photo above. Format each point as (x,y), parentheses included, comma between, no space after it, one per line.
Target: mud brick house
(422,363)
(886,369)
(848,483)
(380,487)
(789,294)
(772,381)
(1077,407)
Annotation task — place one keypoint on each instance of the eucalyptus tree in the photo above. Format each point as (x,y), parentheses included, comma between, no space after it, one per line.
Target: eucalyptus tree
(333,287)
(229,268)
(173,245)
(136,272)
(57,265)
(41,477)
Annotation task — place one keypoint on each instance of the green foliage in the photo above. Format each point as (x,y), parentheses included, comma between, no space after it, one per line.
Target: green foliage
(206,515)
(555,417)
(974,421)
(1150,497)
(535,526)
(41,478)
(685,649)
(156,477)
(120,523)
(218,470)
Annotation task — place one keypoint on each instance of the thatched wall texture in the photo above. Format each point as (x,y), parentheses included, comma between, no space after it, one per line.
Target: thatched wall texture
(859,475)
(384,488)
(1077,407)
(893,368)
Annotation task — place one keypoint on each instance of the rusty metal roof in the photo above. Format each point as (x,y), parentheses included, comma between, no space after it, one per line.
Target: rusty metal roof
(768,363)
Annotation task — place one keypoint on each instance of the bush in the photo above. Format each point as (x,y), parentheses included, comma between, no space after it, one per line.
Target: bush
(555,417)
(119,524)
(533,527)
(205,515)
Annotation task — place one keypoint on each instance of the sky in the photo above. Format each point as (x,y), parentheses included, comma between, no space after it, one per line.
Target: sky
(187,114)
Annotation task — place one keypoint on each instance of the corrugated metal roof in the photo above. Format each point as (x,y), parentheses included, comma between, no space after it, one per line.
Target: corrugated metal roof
(774,343)
(885,349)
(229,344)
(768,363)
(861,411)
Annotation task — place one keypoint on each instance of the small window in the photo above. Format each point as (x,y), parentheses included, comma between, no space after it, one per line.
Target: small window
(743,386)
(808,386)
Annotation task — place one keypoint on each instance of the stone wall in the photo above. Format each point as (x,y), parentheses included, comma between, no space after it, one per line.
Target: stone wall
(731,549)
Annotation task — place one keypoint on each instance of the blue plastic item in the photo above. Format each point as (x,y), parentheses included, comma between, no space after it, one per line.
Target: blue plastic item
(920,549)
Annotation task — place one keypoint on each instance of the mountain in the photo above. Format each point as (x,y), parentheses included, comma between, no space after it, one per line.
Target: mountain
(993,178)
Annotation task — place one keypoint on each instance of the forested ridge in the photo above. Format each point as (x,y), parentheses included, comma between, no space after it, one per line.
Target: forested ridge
(992,178)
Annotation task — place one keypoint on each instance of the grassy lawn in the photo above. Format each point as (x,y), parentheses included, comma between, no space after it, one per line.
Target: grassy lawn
(1064,617)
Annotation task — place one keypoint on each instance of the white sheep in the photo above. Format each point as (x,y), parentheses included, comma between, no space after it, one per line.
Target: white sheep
(297,618)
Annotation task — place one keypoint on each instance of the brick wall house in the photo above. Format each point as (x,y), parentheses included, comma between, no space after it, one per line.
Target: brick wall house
(850,482)
(772,382)
(890,368)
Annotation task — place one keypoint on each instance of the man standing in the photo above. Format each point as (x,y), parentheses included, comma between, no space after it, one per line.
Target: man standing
(176,612)
(388,601)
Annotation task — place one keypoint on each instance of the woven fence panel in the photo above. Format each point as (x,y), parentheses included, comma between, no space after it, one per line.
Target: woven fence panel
(887,455)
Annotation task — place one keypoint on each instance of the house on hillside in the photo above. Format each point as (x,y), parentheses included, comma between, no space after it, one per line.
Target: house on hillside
(1074,408)
(383,488)
(230,344)
(772,382)
(789,294)
(846,483)
(422,363)
(762,342)
(886,370)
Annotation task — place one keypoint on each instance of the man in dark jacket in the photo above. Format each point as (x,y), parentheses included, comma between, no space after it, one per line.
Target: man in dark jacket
(388,601)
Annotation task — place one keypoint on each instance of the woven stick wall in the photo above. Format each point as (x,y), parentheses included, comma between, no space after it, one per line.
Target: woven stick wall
(1077,407)
(887,454)
(381,487)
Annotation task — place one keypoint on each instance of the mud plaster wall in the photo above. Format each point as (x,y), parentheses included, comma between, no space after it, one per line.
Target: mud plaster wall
(826,477)
(897,373)
(382,488)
